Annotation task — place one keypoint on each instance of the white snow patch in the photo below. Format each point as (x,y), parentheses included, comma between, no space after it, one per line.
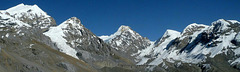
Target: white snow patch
(104,37)
(143,61)
(30,46)
(237,38)
(57,35)
(237,51)
(236,61)
(7,35)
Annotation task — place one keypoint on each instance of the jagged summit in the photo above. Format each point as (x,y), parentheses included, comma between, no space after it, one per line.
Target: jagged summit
(73,21)
(127,41)
(123,28)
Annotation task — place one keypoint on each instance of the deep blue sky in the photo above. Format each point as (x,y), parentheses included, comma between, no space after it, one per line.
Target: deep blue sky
(150,18)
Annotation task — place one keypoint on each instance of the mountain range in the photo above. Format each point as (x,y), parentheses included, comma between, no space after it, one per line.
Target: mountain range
(31,41)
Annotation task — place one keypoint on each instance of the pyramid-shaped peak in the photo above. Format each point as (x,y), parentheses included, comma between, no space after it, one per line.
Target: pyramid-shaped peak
(123,28)
(73,20)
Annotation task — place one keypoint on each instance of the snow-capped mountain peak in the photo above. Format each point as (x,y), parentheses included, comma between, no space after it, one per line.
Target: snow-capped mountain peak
(220,25)
(220,21)
(72,37)
(26,8)
(32,15)
(168,35)
(57,35)
(193,27)
(171,32)
(73,22)
(127,41)
(123,28)
(158,47)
